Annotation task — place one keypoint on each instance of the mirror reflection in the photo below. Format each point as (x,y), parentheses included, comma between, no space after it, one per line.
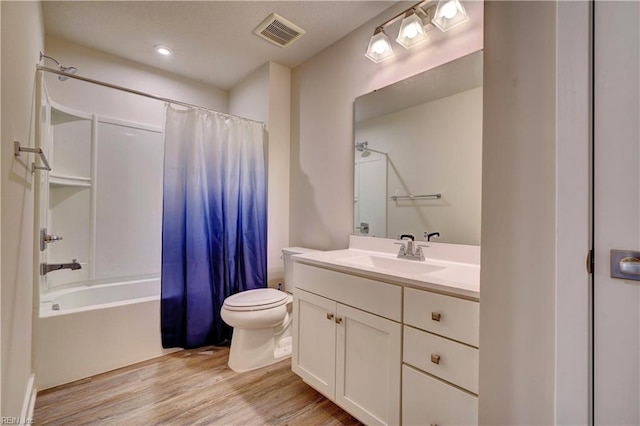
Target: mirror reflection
(418,156)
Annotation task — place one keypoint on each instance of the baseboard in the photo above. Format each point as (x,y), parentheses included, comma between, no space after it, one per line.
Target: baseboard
(29,403)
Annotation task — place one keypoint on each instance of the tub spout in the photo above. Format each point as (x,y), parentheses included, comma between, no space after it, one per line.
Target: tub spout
(45,268)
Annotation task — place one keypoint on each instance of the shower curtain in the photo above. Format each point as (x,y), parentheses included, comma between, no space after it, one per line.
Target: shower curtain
(214,236)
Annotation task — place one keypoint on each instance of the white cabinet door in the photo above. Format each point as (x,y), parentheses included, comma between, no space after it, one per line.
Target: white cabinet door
(314,341)
(617,211)
(429,401)
(368,361)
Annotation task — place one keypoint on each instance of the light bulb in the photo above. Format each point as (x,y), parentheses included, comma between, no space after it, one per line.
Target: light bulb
(163,50)
(411,31)
(379,47)
(449,10)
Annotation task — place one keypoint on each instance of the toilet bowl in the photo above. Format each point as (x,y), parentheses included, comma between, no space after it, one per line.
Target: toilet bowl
(261,321)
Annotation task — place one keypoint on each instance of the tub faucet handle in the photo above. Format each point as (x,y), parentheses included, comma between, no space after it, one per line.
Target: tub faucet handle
(46,238)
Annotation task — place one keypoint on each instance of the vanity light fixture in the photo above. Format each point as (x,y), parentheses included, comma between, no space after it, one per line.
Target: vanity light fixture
(163,50)
(379,46)
(449,13)
(412,32)
(416,21)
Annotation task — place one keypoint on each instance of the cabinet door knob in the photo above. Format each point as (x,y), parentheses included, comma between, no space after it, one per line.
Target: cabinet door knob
(338,320)
(329,316)
(435,316)
(435,359)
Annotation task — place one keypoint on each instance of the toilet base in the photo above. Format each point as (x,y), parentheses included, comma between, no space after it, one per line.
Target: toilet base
(255,348)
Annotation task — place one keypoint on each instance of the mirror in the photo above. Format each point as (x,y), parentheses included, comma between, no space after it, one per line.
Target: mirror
(418,155)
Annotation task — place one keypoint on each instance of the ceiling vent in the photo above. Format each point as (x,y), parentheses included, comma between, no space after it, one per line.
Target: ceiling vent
(278,30)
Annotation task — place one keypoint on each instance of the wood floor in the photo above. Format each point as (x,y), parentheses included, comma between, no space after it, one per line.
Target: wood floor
(189,388)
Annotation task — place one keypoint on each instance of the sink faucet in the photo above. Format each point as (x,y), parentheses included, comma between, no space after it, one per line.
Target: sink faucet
(45,268)
(407,252)
(428,235)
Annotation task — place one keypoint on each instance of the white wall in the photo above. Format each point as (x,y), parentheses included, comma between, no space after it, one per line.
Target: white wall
(250,97)
(323,90)
(112,69)
(265,96)
(433,147)
(518,267)
(22,38)
(279,126)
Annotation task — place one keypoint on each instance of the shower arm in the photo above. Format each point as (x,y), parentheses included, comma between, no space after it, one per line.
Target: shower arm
(363,147)
(42,55)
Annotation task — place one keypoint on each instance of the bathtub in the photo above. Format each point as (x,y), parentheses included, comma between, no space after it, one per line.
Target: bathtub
(90,297)
(91,329)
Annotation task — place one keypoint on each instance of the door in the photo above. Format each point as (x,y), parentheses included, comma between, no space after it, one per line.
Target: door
(368,381)
(314,341)
(616,210)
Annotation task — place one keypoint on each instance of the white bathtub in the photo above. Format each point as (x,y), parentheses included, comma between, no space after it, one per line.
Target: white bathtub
(88,330)
(89,297)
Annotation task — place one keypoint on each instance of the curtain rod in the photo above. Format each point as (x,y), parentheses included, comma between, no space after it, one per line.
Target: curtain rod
(137,92)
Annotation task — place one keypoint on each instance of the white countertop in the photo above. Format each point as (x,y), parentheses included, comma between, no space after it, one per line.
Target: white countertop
(449,277)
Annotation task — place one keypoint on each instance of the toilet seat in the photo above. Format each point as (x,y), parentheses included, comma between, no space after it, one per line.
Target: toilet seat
(255,300)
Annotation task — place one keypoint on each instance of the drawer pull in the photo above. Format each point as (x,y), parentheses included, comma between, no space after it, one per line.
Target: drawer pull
(435,359)
(435,316)
(329,316)
(338,320)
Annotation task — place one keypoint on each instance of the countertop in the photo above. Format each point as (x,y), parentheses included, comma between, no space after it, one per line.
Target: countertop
(452,278)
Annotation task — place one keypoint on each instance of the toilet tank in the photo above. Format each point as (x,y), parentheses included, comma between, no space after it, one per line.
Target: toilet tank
(287,252)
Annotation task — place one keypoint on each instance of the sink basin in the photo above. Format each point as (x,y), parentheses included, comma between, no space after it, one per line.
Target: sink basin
(392,264)
(460,274)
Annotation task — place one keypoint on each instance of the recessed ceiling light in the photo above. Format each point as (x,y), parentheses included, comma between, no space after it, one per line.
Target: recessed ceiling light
(163,50)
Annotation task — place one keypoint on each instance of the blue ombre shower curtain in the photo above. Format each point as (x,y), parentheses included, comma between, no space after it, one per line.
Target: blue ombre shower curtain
(214,234)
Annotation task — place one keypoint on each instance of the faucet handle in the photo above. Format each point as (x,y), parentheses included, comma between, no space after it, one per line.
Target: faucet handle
(403,249)
(45,238)
(419,253)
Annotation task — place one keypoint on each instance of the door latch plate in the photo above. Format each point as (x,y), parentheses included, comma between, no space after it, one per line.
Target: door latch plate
(625,264)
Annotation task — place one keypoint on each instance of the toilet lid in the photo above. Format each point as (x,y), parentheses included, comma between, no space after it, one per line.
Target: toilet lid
(253,300)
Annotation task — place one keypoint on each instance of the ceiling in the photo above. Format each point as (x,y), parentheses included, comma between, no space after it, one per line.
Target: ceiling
(212,41)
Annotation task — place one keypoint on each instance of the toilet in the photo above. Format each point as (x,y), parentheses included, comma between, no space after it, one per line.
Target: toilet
(261,321)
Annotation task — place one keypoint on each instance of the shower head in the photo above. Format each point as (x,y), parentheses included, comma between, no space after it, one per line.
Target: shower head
(69,70)
(361,146)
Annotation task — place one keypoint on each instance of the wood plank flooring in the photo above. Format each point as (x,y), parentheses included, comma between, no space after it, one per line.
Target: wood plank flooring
(194,387)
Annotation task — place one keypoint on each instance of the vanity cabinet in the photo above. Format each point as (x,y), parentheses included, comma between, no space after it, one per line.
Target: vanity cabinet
(361,341)
(440,359)
(343,347)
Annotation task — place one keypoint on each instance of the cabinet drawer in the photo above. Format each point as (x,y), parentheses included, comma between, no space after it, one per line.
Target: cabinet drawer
(457,319)
(372,296)
(449,360)
(429,401)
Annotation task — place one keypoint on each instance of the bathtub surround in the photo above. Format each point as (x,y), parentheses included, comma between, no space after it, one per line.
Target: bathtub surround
(214,234)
